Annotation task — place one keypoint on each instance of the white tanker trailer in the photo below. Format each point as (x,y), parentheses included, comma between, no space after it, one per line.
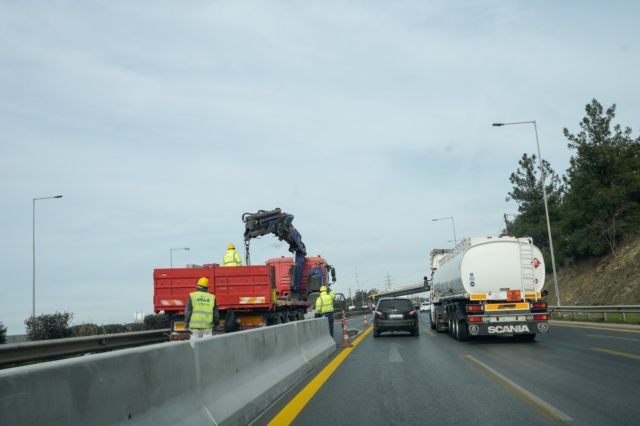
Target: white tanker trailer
(488,286)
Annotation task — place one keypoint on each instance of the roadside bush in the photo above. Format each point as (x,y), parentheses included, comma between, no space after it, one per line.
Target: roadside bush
(49,326)
(136,326)
(3,334)
(114,328)
(157,322)
(86,329)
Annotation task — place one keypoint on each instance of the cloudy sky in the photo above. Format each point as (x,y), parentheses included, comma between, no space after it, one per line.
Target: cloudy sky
(160,123)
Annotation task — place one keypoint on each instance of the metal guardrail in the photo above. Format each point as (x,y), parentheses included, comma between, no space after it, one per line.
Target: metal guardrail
(17,353)
(605,309)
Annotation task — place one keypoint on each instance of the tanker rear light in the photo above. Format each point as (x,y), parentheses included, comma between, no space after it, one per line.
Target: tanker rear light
(539,305)
(440,316)
(474,308)
(475,319)
(543,317)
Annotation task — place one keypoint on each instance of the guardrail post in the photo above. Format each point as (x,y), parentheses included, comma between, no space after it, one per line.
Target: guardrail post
(605,316)
(588,316)
(624,317)
(574,316)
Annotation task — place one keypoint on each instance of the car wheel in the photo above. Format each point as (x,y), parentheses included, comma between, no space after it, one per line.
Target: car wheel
(376,333)
(416,332)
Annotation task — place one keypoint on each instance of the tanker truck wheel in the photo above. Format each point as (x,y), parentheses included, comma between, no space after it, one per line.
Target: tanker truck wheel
(462,332)
(433,325)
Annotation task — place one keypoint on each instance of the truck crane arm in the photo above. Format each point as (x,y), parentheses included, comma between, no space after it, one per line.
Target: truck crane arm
(278,223)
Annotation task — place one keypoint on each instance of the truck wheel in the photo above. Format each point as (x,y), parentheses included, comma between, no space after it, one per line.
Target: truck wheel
(285,318)
(433,325)
(376,333)
(462,332)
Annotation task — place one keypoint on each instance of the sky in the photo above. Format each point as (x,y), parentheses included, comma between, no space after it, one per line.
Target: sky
(161,123)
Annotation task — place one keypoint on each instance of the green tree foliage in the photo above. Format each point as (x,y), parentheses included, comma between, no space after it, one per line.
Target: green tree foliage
(3,334)
(527,192)
(602,204)
(596,204)
(49,326)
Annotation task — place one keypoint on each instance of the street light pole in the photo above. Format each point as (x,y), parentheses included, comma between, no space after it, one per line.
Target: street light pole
(455,240)
(546,207)
(171,254)
(33,242)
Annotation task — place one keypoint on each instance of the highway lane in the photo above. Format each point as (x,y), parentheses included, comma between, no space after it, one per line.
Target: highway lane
(590,374)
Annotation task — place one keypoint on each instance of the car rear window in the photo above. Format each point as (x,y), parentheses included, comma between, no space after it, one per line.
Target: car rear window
(395,304)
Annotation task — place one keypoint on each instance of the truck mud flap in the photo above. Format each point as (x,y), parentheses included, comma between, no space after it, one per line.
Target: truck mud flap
(521,327)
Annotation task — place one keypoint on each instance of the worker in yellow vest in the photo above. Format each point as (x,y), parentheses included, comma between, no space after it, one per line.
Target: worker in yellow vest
(232,258)
(324,307)
(201,313)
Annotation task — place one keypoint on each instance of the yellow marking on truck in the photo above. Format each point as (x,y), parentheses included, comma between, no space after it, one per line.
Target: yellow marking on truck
(428,332)
(506,306)
(479,296)
(632,356)
(293,408)
(254,320)
(555,323)
(532,295)
(525,396)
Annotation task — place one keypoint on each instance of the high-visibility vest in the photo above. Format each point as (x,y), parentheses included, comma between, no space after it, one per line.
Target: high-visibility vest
(202,304)
(324,303)
(232,258)
(332,294)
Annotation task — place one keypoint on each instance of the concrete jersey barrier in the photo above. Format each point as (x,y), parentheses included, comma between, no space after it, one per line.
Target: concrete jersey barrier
(224,380)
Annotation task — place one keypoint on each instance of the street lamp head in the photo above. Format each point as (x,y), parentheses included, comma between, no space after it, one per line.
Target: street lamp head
(498,124)
(58,196)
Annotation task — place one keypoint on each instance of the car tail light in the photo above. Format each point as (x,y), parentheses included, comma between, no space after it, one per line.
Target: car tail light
(413,313)
(475,319)
(439,316)
(474,308)
(540,317)
(539,305)
(378,314)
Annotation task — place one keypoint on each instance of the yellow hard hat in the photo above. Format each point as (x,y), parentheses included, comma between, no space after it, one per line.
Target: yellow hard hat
(231,247)
(203,282)
(323,288)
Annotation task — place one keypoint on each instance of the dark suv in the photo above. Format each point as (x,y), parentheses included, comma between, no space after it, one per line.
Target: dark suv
(395,314)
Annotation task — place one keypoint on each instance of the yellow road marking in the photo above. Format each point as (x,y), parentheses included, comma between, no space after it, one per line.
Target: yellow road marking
(428,332)
(632,356)
(293,408)
(595,328)
(531,400)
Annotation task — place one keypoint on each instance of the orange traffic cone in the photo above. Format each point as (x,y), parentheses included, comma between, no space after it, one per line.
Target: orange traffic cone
(366,324)
(346,343)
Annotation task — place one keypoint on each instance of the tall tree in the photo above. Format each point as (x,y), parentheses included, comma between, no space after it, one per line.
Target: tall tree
(527,192)
(603,197)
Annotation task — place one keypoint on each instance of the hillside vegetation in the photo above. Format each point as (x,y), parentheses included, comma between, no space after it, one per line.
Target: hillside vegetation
(609,280)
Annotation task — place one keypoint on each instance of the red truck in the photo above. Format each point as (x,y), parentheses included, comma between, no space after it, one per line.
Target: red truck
(258,295)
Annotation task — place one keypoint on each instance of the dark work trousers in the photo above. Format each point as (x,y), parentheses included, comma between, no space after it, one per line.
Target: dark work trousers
(330,316)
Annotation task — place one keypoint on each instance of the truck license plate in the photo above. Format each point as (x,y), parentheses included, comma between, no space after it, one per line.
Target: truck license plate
(395,316)
(507,319)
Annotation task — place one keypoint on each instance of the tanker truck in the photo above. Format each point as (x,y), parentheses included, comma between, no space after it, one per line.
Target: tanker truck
(489,286)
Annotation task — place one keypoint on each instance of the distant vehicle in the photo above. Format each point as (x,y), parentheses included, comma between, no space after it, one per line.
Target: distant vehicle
(425,307)
(416,305)
(395,314)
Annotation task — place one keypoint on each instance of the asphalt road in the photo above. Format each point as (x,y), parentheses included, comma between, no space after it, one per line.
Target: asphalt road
(589,375)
